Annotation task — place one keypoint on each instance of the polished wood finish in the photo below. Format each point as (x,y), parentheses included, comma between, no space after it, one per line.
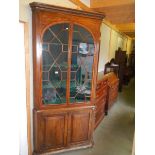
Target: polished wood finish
(43,17)
(106,94)
(67,126)
(113,84)
(53,8)
(80,126)
(101,100)
(63,129)
(50,130)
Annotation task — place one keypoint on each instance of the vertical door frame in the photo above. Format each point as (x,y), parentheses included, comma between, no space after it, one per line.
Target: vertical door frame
(27,78)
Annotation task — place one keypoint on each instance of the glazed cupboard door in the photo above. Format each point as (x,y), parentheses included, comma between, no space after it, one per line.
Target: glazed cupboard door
(55,64)
(82,59)
(65,56)
(65,69)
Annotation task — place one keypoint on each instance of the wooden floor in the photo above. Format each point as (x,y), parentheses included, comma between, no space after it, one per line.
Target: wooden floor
(114,136)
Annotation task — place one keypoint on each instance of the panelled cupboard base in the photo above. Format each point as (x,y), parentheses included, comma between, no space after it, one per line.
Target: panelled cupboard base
(64,129)
(50,152)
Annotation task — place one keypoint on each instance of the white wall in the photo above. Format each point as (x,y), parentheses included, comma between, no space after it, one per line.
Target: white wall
(113,44)
(104,46)
(24,9)
(129,46)
(11,79)
(86,2)
(110,41)
(120,42)
(125,43)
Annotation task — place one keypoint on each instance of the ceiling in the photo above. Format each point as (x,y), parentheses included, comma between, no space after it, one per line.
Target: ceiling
(120,13)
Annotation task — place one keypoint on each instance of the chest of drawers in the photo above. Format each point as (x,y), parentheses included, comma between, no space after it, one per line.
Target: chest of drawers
(106,95)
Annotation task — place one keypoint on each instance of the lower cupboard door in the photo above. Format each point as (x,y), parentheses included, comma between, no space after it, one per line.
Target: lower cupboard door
(80,128)
(51,132)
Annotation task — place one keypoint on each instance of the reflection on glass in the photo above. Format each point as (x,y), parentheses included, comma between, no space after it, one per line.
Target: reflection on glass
(81,65)
(54,64)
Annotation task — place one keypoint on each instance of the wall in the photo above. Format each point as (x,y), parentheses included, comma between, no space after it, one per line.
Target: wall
(25,11)
(125,43)
(129,46)
(86,2)
(110,41)
(113,44)
(104,46)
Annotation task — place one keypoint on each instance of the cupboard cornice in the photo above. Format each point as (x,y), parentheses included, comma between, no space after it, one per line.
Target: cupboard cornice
(53,8)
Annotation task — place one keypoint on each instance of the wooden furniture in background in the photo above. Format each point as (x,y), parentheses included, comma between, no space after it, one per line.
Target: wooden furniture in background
(65,60)
(111,67)
(130,69)
(132,62)
(121,60)
(113,84)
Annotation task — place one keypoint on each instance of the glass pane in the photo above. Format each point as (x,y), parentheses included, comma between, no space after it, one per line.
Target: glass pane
(54,65)
(81,65)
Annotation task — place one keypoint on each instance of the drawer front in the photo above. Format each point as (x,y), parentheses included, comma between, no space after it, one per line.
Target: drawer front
(114,87)
(101,101)
(101,92)
(99,113)
(113,97)
(101,85)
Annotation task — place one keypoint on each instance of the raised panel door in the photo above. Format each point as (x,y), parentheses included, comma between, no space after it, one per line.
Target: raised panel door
(51,130)
(80,126)
(54,130)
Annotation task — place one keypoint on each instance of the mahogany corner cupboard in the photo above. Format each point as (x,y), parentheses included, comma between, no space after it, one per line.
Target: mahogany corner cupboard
(65,61)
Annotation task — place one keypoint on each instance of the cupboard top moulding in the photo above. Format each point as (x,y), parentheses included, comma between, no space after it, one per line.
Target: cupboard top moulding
(63,23)
(49,14)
